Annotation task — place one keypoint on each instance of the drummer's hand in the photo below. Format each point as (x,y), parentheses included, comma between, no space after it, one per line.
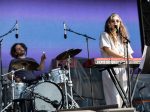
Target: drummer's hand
(43,57)
(41,66)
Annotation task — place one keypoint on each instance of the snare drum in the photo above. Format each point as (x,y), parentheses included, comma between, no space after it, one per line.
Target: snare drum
(58,75)
(48,96)
(15,90)
(18,89)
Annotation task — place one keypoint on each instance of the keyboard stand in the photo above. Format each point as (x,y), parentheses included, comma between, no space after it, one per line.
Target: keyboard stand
(118,86)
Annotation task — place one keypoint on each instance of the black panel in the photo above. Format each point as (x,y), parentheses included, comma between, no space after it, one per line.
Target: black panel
(144,13)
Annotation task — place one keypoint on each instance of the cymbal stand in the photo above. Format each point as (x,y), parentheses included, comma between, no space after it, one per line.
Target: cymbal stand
(70,84)
(13,87)
(12,91)
(66,97)
(73,101)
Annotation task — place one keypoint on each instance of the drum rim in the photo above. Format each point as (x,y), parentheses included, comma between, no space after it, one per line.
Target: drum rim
(55,69)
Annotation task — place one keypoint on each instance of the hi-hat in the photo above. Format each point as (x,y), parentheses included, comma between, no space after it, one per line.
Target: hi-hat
(28,64)
(66,54)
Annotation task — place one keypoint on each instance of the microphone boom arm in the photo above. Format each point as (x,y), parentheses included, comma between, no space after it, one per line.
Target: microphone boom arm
(84,35)
(10,31)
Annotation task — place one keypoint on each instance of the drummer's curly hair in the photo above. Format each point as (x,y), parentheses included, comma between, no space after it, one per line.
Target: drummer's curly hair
(13,49)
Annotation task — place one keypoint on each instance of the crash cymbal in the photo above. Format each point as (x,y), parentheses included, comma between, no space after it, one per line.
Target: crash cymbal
(66,54)
(28,64)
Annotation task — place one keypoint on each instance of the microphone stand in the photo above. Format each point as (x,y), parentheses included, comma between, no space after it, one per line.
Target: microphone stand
(128,72)
(87,43)
(10,31)
(1,66)
(127,41)
(1,72)
(84,35)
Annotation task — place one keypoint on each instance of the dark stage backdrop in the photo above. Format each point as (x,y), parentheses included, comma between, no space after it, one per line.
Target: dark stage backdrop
(41,25)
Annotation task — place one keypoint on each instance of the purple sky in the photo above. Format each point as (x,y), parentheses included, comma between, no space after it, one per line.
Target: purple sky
(41,25)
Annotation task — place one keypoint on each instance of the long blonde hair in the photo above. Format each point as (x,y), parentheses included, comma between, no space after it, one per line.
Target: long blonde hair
(122,30)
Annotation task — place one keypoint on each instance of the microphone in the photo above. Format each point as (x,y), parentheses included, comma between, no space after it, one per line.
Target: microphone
(65,31)
(118,33)
(117,29)
(17,29)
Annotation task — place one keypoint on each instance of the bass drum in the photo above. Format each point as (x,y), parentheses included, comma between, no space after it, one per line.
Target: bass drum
(48,96)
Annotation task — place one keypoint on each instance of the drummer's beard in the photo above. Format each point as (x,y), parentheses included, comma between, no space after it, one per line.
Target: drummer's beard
(21,54)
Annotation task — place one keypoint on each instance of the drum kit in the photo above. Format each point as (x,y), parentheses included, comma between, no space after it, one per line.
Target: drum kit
(52,93)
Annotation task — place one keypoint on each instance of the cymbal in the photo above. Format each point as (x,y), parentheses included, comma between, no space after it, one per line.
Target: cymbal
(28,64)
(66,54)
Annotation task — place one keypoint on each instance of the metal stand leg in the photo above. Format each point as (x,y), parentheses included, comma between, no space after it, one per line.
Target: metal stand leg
(66,97)
(13,87)
(12,92)
(118,86)
(74,102)
(70,84)
(7,107)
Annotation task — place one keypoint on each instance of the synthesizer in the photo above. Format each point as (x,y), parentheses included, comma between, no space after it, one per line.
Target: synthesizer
(116,62)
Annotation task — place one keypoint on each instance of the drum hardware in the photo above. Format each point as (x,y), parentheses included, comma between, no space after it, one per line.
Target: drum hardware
(66,94)
(44,77)
(70,84)
(13,87)
(68,55)
(74,103)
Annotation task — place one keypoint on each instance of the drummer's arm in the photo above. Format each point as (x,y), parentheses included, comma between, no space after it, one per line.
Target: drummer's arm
(42,62)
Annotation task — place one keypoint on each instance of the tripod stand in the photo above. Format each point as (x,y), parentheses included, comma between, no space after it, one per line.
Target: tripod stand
(13,87)
(70,84)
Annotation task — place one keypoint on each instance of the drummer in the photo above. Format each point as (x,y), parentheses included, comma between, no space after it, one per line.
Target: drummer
(20,60)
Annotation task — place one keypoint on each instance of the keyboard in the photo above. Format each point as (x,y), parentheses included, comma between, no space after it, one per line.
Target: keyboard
(116,62)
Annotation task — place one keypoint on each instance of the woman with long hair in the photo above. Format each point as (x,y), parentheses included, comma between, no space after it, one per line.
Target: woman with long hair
(113,45)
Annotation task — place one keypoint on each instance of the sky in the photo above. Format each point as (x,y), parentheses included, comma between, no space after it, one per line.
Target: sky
(41,28)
